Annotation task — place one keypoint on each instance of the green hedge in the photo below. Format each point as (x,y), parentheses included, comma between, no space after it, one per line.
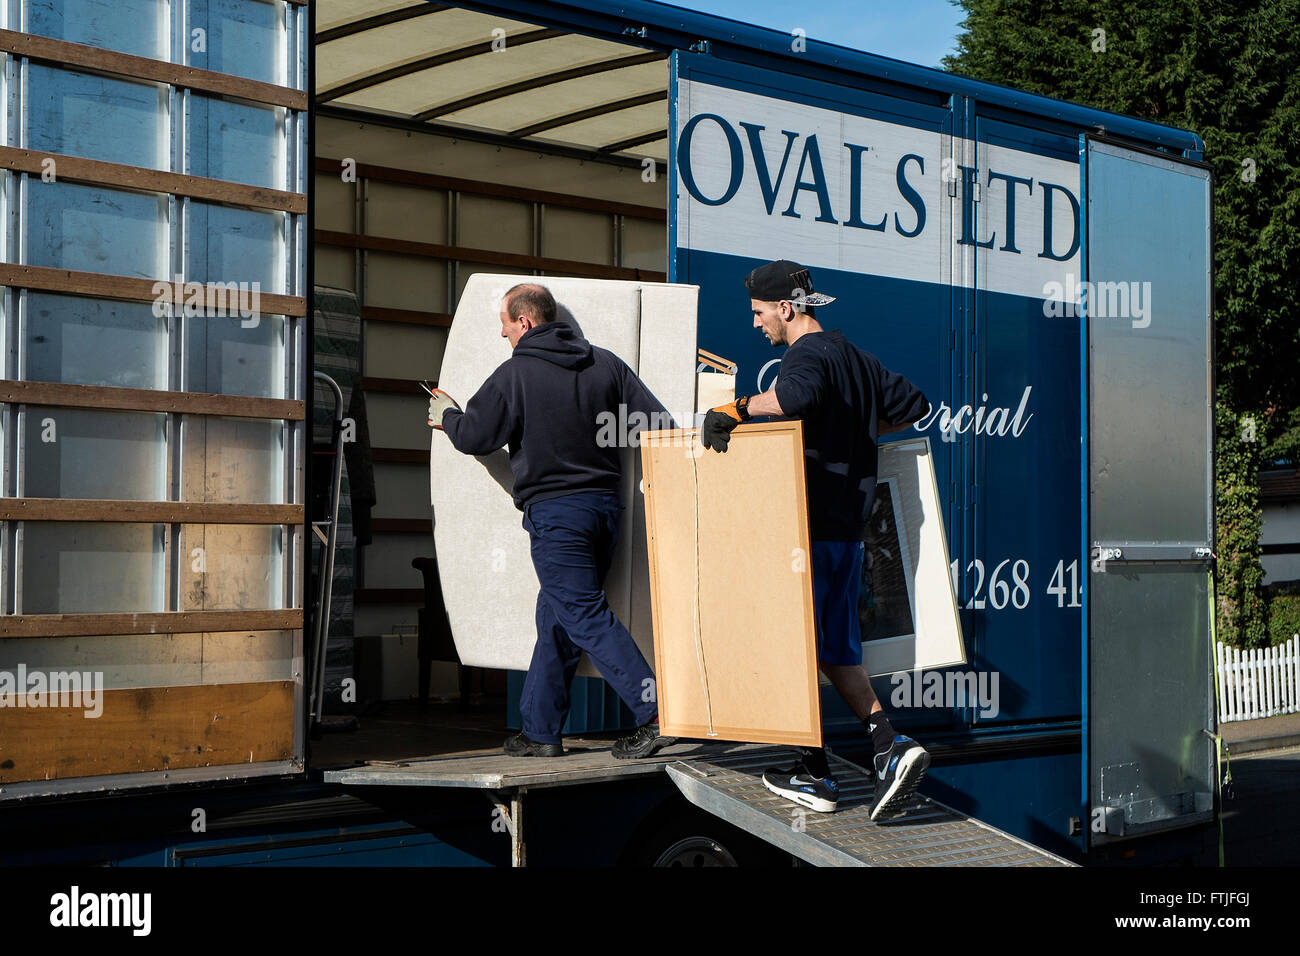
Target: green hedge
(1242,618)
(1283,617)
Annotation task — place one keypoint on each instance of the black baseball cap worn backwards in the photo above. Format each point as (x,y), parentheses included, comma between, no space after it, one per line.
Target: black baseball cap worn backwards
(786,280)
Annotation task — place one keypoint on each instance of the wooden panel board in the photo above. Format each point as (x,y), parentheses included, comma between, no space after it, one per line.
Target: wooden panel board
(152,728)
(400,456)
(482,188)
(80,169)
(373,313)
(130,661)
(153,622)
(149,400)
(731,586)
(128,288)
(161,512)
(394,386)
(63,53)
(485,257)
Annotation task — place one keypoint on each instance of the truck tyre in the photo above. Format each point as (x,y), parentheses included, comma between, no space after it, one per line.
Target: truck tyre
(692,838)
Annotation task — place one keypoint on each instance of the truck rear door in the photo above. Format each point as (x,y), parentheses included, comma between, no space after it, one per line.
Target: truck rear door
(1148,756)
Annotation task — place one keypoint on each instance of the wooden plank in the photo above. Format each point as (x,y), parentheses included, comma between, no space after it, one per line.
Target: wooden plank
(159,622)
(353,27)
(148,728)
(641,139)
(95,171)
(401,526)
(389,595)
(532,83)
(392,386)
(373,313)
(434,250)
(400,456)
(601,109)
(130,289)
(153,512)
(411,177)
(63,53)
(420,64)
(149,400)
(735,654)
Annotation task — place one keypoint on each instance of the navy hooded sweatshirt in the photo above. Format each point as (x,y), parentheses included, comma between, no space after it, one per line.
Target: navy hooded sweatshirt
(842,393)
(555,403)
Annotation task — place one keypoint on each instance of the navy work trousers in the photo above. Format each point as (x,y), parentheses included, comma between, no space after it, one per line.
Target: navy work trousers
(573,538)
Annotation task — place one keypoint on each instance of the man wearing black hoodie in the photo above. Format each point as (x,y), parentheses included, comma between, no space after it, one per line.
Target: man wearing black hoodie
(846,399)
(547,402)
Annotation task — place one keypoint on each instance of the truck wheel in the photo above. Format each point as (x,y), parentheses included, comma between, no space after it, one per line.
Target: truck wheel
(693,838)
(696,851)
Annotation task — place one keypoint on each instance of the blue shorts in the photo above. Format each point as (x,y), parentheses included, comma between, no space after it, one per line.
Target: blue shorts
(837,579)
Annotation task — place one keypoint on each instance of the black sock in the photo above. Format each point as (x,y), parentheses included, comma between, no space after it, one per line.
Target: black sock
(882,733)
(814,758)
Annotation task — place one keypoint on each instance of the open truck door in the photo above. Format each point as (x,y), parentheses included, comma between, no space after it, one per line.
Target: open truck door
(1149,758)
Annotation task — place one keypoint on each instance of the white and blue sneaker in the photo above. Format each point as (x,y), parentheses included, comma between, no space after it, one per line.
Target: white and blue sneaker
(898,771)
(797,784)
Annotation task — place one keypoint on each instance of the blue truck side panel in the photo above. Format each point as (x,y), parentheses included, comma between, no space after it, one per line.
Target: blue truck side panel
(1031,796)
(1013,508)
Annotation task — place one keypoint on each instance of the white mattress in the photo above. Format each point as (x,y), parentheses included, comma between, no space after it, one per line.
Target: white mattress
(488,582)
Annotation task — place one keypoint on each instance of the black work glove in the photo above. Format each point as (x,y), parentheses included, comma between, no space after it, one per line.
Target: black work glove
(715,433)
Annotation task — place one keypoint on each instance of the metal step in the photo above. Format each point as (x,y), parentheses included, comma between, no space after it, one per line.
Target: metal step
(584,761)
(926,833)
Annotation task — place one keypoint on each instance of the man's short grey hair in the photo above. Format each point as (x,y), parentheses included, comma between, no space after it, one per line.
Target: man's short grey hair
(533,300)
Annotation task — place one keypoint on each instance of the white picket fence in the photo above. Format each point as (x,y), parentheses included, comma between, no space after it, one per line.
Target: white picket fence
(1262,682)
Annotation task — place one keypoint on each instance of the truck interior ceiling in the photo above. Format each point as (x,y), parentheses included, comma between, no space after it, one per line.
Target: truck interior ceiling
(448,142)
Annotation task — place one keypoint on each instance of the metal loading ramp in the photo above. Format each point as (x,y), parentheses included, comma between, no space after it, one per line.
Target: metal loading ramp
(506,781)
(926,833)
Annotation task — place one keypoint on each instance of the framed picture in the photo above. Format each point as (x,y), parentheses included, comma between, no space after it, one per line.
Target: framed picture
(907,606)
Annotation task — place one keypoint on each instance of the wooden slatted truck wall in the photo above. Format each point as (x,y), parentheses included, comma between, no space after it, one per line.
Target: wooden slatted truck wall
(153,395)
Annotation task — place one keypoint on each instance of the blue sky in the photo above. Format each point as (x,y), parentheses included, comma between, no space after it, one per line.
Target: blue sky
(918,31)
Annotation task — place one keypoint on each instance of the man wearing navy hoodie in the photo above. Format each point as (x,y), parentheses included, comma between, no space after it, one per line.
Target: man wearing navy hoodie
(545,402)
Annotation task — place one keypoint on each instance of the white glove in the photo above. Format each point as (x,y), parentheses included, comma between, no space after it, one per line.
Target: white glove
(439,403)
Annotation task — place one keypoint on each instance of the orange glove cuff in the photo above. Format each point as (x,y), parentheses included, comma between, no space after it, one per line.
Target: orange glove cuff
(739,409)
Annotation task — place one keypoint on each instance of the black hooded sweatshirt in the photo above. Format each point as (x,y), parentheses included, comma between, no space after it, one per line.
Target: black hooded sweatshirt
(555,403)
(842,393)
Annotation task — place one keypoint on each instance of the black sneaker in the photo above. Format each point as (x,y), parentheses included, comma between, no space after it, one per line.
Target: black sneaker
(898,771)
(644,742)
(797,784)
(521,746)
